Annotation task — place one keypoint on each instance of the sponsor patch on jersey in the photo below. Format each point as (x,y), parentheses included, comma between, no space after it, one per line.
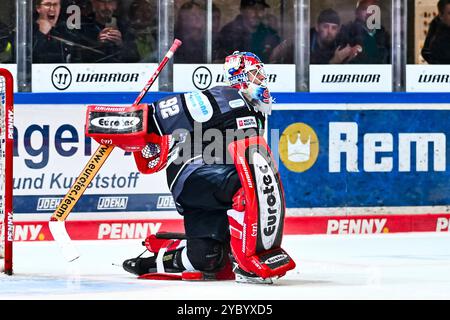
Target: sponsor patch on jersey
(236,103)
(246,122)
(199,106)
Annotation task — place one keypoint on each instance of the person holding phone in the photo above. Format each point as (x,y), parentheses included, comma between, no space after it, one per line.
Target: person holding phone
(104,31)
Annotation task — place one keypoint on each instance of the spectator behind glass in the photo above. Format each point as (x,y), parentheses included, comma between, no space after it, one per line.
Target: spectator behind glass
(6,44)
(49,36)
(143,24)
(190,27)
(436,49)
(247,32)
(375,42)
(103,31)
(323,41)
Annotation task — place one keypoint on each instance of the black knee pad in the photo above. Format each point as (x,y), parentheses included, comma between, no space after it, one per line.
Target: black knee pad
(231,185)
(205,254)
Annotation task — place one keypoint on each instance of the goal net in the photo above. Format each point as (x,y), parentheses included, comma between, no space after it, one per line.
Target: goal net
(6,160)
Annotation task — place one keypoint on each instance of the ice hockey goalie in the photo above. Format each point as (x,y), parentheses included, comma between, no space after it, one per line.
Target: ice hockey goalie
(221,174)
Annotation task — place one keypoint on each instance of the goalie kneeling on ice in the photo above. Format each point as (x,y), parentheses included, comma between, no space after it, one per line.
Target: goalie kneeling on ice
(251,227)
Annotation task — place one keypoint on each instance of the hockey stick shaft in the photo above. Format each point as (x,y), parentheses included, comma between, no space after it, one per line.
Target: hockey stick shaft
(176,44)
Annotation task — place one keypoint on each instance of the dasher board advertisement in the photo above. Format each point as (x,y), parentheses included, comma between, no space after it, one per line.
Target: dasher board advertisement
(350,78)
(117,77)
(428,78)
(190,77)
(363,156)
(50,152)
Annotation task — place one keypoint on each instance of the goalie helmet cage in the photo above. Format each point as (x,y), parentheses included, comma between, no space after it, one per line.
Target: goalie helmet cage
(6,171)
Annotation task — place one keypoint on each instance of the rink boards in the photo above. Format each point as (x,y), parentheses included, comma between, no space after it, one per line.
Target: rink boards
(350,163)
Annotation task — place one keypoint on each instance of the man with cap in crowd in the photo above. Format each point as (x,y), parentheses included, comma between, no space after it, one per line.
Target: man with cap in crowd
(324,48)
(373,38)
(247,32)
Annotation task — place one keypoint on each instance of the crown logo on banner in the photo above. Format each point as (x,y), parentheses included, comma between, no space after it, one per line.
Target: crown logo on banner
(298,151)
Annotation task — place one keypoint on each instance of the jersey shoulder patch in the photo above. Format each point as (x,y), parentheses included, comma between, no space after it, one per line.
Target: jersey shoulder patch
(227,98)
(199,106)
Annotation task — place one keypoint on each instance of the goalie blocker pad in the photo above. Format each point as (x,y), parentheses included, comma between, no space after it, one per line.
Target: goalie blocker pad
(127,128)
(257,218)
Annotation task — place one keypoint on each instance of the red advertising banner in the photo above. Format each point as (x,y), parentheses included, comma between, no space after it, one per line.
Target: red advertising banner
(131,229)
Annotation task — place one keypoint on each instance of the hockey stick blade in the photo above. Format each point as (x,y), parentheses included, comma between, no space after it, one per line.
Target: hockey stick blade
(61,237)
(57,222)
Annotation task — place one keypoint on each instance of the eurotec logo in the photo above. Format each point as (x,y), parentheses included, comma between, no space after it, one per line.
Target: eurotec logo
(299,147)
(276,259)
(117,123)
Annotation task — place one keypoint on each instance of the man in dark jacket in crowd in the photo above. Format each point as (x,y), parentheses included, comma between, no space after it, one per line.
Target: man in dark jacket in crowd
(436,49)
(247,32)
(373,39)
(323,41)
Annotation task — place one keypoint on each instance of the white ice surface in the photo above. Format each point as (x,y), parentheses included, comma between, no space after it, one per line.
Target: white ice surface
(388,266)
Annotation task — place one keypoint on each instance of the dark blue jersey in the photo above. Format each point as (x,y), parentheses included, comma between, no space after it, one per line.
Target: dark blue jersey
(203,124)
(218,108)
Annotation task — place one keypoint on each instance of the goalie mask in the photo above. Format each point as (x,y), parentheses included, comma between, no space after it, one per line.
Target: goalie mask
(245,71)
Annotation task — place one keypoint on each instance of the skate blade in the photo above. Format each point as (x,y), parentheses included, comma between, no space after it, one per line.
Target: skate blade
(253,280)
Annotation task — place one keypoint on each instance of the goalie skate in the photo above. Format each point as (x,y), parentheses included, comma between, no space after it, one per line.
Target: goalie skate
(245,277)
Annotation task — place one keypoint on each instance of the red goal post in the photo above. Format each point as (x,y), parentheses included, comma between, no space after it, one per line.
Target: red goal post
(6,170)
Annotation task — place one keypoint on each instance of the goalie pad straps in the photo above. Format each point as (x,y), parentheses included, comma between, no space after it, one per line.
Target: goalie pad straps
(257,218)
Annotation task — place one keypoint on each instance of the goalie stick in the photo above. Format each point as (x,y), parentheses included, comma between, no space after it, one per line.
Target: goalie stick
(57,221)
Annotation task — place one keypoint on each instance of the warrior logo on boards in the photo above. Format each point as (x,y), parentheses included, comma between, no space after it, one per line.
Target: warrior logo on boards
(299,147)
(61,78)
(202,78)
